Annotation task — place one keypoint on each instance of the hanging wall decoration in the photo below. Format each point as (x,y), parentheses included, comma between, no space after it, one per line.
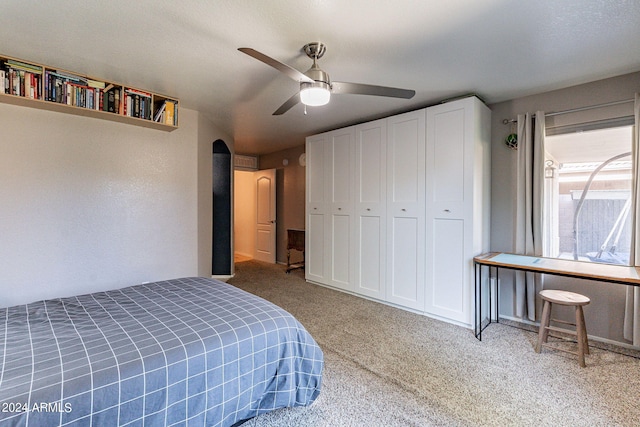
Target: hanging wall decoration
(512,139)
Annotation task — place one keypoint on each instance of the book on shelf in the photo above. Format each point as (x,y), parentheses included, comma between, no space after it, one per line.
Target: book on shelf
(110,101)
(166,113)
(136,106)
(160,113)
(116,100)
(169,112)
(137,92)
(96,84)
(24,66)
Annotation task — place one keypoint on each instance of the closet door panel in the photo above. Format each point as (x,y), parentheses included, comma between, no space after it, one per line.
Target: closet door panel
(315,248)
(446,213)
(340,252)
(370,257)
(457,201)
(405,153)
(448,156)
(370,209)
(406,209)
(405,273)
(318,209)
(341,175)
(315,169)
(371,163)
(341,166)
(448,293)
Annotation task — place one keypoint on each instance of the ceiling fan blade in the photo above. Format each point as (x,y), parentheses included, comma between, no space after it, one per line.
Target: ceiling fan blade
(362,89)
(287,105)
(284,68)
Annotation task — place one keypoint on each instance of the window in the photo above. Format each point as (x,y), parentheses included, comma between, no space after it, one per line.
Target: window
(587,195)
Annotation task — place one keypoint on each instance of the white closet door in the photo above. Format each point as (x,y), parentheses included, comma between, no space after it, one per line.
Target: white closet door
(446,287)
(406,209)
(341,173)
(317,210)
(370,209)
(454,176)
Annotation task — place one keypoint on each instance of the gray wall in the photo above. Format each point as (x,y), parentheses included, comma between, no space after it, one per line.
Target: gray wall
(604,315)
(89,204)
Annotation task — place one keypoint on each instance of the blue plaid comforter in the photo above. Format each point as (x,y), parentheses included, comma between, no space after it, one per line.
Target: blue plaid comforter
(190,351)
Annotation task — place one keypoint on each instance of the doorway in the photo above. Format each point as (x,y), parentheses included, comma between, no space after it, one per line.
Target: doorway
(255,215)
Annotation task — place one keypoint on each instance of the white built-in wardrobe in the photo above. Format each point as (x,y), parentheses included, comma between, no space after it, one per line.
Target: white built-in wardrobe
(397,208)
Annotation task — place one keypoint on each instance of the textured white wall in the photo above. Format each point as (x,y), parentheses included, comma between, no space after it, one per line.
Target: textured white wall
(88,204)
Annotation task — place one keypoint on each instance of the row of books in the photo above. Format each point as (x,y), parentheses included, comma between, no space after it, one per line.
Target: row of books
(138,104)
(20,79)
(77,91)
(35,82)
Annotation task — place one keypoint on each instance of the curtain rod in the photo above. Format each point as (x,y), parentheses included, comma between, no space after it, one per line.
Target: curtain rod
(575,110)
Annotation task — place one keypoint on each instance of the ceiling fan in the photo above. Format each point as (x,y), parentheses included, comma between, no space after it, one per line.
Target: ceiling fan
(315,86)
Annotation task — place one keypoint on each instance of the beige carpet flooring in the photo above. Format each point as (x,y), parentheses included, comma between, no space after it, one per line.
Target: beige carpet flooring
(388,367)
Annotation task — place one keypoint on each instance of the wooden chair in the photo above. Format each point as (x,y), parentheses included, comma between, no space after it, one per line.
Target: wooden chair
(295,240)
(550,297)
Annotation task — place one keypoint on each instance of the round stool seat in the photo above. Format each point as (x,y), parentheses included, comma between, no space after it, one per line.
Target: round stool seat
(564,297)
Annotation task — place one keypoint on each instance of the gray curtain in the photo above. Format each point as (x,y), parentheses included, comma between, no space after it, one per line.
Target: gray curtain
(529,197)
(632,306)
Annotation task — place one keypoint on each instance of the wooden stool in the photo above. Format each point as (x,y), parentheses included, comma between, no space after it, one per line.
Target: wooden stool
(551,297)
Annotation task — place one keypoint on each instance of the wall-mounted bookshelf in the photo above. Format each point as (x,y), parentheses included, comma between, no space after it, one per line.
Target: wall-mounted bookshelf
(39,86)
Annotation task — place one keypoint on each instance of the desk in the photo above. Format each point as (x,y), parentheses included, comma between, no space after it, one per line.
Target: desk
(295,240)
(610,273)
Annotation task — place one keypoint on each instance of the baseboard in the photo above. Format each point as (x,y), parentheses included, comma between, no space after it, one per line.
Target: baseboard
(594,338)
(223,278)
(398,306)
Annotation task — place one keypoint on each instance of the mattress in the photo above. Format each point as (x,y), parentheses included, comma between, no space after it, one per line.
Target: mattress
(191,351)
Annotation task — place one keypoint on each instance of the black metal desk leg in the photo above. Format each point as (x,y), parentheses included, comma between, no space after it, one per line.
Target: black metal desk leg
(478,300)
(497,295)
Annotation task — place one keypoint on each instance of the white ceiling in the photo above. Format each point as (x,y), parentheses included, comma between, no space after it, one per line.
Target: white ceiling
(499,49)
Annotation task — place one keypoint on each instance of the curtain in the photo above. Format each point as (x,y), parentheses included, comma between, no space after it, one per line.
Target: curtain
(632,305)
(528,221)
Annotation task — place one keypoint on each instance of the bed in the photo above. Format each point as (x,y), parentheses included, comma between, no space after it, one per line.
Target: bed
(191,351)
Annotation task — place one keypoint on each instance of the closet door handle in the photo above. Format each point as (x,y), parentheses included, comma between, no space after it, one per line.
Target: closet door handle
(447,210)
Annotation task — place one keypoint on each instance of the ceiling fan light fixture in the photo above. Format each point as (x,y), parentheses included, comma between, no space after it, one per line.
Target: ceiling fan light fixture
(315,85)
(315,94)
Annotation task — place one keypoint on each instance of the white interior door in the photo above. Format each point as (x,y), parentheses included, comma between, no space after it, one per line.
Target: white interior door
(265,181)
